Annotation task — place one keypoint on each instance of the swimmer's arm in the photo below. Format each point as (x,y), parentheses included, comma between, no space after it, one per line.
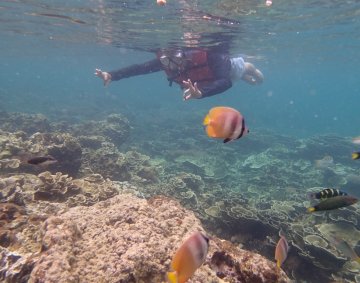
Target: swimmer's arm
(136,70)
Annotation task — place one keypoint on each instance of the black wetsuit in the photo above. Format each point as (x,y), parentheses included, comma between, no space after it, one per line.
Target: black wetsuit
(219,63)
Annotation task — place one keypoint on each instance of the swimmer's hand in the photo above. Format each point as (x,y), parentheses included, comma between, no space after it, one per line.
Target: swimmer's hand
(103,75)
(191,90)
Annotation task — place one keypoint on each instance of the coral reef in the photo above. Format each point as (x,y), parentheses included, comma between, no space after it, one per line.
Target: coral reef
(16,148)
(92,147)
(28,123)
(243,192)
(262,186)
(25,190)
(63,147)
(232,263)
(26,135)
(26,201)
(128,239)
(115,128)
(122,238)
(108,161)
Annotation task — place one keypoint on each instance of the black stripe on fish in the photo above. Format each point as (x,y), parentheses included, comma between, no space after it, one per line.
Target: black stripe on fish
(205,238)
(242,129)
(241,132)
(328,193)
(233,126)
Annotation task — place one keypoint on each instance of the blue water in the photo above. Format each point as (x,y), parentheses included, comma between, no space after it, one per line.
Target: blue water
(308,55)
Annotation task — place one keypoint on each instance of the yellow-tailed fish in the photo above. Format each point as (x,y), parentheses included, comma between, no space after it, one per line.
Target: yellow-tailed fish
(333,203)
(281,250)
(188,258)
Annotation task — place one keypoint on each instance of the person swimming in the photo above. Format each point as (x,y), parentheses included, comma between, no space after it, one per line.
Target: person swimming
(199,72)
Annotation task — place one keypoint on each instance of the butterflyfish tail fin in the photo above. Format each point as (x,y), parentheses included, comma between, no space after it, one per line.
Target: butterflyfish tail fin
(311,209)
(206,120)
(278,264)
(355,155)
(172,277)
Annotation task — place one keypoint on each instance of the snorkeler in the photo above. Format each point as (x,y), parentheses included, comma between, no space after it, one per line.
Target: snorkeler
(199,72)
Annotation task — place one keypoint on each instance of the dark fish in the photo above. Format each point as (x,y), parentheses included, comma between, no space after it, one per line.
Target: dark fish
(327,193)
(333,203)
(355,155)
(42,160)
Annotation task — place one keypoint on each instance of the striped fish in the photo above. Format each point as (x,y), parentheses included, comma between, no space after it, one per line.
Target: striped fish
(327,193)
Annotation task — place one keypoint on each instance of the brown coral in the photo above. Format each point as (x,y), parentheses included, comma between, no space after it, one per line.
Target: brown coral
(56,187)
(127,239)
(115,129)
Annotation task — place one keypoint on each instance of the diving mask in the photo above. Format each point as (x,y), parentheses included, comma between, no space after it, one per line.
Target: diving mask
(174,62)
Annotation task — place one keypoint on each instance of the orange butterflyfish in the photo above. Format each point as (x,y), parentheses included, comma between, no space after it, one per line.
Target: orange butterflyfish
(226,123)
(188,258)
(281,251)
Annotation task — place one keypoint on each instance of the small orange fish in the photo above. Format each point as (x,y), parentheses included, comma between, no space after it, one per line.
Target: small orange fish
(281,251)
(189,257)
(226,123)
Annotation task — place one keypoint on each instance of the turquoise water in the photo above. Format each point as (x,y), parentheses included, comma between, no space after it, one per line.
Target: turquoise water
(308,52)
